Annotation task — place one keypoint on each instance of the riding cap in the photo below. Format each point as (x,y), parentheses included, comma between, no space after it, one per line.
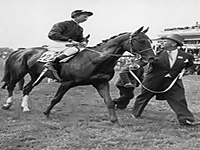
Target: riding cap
(80,12)
(176,38)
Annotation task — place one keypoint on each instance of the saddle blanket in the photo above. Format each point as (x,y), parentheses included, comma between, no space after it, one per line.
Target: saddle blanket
(47,56)
(53,52)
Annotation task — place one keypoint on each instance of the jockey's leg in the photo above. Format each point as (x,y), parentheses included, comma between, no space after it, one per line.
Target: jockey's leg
(67,53)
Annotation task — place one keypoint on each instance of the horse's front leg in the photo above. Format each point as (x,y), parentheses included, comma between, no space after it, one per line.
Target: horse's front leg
(64,87)
(26,91)
(104,92)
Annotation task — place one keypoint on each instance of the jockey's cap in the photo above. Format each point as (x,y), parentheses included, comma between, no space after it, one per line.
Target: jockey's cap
(80,12)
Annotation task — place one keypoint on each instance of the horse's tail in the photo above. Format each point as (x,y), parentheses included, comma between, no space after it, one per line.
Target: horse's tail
(6,77)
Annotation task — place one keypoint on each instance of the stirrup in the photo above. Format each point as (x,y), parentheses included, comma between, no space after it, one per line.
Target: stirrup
(50,66)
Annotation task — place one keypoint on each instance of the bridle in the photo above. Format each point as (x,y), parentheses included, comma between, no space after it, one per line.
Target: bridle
(138,53)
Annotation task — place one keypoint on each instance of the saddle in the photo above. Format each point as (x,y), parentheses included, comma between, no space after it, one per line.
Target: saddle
(51,54)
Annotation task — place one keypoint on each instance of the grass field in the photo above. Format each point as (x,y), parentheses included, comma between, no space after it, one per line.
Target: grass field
(79,122)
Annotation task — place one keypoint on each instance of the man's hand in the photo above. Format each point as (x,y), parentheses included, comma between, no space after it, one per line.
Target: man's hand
(134,67)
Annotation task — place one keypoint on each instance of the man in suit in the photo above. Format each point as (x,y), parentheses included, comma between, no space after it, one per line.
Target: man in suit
(160,75)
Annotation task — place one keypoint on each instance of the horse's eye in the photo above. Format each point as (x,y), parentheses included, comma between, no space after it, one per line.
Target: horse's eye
(142,41)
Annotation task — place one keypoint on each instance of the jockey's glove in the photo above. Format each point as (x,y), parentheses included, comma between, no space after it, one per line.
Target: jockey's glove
(84,44)
(73,43)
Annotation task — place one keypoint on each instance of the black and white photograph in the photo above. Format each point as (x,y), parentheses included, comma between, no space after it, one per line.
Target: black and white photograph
(99,75)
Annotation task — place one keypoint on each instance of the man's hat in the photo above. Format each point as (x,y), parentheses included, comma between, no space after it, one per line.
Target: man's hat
(80,12)
(175,37)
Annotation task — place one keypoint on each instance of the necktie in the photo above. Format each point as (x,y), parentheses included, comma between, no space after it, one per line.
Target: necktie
(171,59)
(170,55)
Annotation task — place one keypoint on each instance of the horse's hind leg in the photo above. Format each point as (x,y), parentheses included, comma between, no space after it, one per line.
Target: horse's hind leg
(104,91)
(64,87)
(10,89)
(21,84)
(26,91)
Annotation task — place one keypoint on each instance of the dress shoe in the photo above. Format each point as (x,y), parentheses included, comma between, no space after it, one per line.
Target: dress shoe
(120,107)
(136,117)
(190,123)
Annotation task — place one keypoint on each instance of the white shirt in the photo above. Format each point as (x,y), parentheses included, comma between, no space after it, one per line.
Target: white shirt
(174,55)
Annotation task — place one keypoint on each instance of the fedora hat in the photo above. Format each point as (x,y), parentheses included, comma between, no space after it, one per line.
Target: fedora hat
(80,12)
(175,37)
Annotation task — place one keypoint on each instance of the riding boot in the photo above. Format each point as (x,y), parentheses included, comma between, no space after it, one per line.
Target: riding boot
(52,64)
(125,79)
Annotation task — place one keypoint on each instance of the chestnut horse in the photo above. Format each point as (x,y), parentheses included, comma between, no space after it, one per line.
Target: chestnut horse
(92,66)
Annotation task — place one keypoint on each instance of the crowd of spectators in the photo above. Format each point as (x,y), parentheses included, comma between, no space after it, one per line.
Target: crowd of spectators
(5,52)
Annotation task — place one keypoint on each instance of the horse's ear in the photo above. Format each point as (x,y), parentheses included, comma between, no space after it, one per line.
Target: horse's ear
(88,36)
(145,31)
(139,30)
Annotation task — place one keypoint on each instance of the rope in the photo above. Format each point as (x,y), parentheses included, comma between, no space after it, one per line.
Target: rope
(179,76)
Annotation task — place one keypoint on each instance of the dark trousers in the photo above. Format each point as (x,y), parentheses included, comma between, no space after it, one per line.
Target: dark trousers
(126,94)
(175,98)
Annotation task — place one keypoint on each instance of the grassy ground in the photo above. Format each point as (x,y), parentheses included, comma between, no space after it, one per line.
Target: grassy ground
(79,122)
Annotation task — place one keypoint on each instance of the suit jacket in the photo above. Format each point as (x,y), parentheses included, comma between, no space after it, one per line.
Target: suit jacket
(155,78)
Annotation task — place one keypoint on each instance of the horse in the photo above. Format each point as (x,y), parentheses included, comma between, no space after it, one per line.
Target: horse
(92,66)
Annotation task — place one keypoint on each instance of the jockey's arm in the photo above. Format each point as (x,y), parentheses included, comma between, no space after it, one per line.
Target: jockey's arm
(75,43)
(56,32)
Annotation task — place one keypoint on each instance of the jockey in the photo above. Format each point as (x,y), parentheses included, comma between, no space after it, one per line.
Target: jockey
(69,33)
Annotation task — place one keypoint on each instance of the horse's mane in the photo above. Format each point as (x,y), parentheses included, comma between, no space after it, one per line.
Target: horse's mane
(106,40)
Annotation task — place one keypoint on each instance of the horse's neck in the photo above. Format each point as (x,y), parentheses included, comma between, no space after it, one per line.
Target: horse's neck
(111,50)
(107,54)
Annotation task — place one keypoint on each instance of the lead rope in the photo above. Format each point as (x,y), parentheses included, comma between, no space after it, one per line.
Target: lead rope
(179,76)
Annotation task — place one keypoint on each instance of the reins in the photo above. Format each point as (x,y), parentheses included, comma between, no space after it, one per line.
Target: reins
(117,55)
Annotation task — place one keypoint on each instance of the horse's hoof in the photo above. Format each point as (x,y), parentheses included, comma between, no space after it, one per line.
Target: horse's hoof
(46,115)
(115,123)
(25,109)
(6,106)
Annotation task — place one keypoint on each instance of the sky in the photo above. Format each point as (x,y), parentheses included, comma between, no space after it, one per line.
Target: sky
(26,23)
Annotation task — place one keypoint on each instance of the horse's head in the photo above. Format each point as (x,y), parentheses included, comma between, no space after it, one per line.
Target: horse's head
(140,45)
